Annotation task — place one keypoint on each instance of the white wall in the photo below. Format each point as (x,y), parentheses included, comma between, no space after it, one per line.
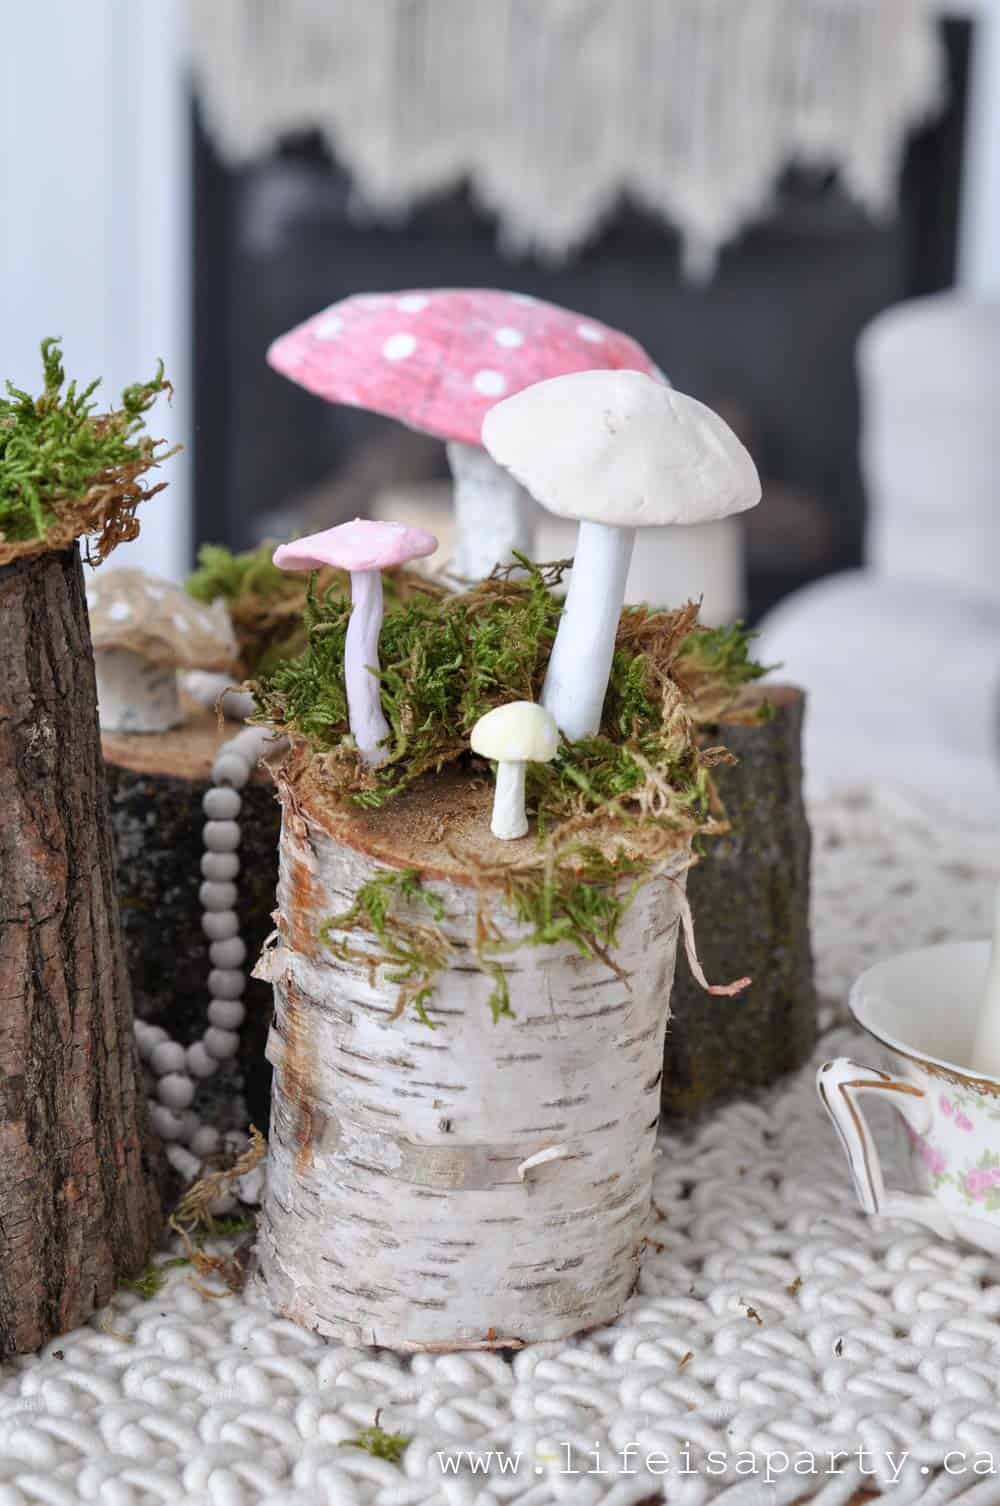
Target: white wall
(979,242)
(94,238)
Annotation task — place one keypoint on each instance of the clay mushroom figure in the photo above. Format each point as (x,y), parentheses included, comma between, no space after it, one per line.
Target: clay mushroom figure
(438,360)
(617,451)
(145,630)
(364,548)
(514,735)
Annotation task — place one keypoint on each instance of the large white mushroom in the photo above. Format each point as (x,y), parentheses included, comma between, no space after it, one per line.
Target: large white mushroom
(616,450)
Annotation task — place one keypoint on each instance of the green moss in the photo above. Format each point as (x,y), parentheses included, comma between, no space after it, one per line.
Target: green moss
(232,577)
(380,1444)
(610,810)
(150,1282)
(268,605)
(724,654)
(55,449)
(412,954)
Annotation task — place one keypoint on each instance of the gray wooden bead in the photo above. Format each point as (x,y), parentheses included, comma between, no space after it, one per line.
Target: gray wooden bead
(199,1063)
(149,1039)
(190,1123)
(230,768)
(166,1123)
(228,1014)
(226,983)
(184,1163)
(206,1141)
(221,836)
(220,925)
(222,1044)
(220,867)
(176,1091)
(221,804)
(230,953)
(167,1056)
(216,896)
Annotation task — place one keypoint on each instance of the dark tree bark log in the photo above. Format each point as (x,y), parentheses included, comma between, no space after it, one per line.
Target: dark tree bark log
(156,783)
(79,1199)
(750,900)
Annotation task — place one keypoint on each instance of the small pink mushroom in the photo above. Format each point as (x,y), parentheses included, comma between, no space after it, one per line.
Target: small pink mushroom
(438,360)
(364,548)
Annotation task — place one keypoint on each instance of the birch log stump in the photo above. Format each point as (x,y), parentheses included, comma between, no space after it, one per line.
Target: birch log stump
(749,895)
(156,782)
(474,1186)
(79,1205)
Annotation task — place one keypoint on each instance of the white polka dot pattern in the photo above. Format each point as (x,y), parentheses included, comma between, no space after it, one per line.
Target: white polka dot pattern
(509,338)
(490,383)
(398,347)
(589,333)
(119,611)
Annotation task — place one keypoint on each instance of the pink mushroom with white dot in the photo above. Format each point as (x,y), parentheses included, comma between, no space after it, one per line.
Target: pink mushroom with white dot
(364,548)
(438,360)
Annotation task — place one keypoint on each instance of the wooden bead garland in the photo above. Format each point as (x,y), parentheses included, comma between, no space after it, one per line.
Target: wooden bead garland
(178,1068)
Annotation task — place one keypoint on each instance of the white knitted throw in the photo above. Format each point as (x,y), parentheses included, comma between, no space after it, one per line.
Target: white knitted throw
(554,109)
(774,1322)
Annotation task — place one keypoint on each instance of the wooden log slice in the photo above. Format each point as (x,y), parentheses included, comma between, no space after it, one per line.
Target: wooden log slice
(750,899)
(475,1185)
(156,782)
(79,1200)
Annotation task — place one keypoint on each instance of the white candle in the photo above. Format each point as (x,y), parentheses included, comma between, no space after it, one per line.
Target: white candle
(985,1056)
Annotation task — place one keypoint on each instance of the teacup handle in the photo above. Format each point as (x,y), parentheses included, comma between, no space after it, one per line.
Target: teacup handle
(839,1083)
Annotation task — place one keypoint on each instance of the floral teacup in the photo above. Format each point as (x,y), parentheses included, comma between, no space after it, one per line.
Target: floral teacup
(921,1007)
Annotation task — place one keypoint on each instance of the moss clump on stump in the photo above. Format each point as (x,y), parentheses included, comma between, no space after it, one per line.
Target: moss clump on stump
(610,808)
(67,470)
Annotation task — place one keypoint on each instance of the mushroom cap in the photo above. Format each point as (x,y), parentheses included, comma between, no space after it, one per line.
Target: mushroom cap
(520,732)
(363,544)
(438,359)
(159,621)
(618,447)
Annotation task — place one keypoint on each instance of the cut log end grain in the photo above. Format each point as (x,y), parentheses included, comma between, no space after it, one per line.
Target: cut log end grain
(79,1195)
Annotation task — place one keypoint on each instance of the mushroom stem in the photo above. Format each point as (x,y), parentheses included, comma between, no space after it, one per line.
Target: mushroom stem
(509,820)
(361,666)
(135,695)
(580,664)
(494,514)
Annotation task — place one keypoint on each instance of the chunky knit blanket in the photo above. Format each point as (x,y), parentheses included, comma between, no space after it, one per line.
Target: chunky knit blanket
(781,1347)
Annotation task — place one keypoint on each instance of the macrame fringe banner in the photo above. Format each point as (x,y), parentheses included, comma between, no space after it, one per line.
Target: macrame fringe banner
(553,110)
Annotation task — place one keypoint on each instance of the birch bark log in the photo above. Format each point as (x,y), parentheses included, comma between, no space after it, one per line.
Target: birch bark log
(473,1186)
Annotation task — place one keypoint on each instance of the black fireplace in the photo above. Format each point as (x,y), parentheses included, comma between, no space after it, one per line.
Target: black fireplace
(768,341)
